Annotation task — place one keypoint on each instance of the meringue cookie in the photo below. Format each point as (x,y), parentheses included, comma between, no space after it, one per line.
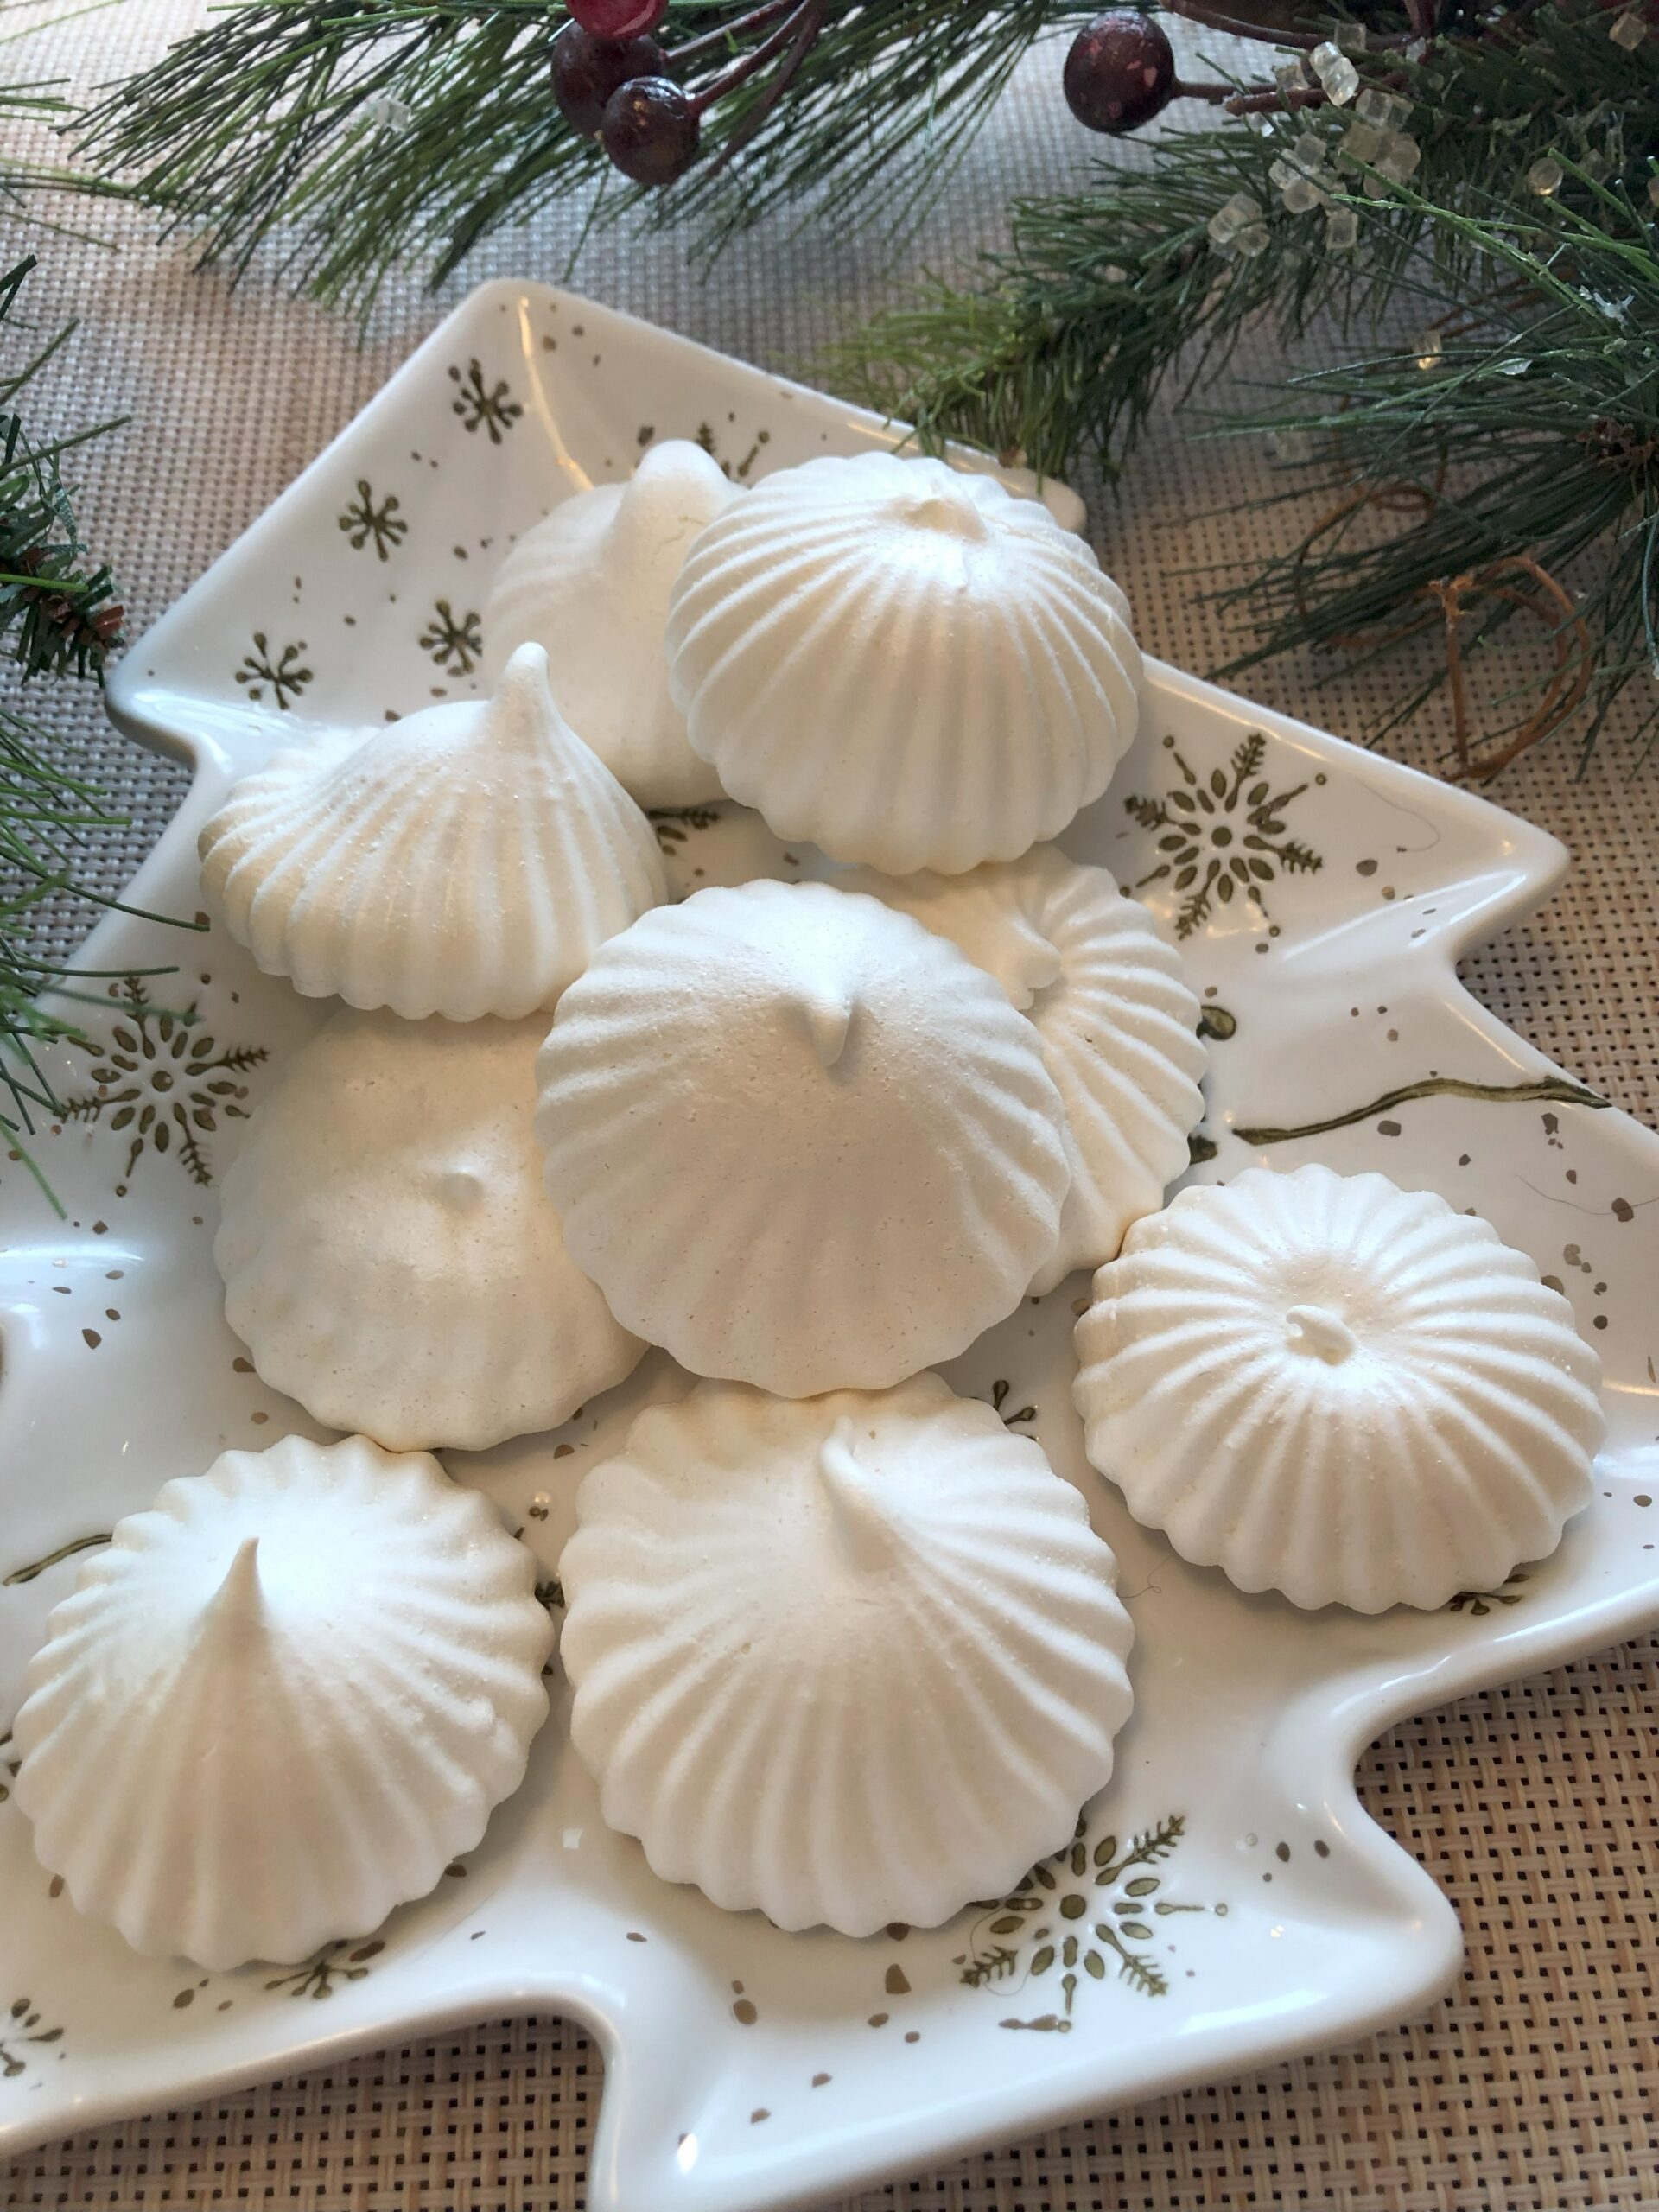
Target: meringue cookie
(851,1659)
(798,1140)
(591,584)
(1330,1387)
(905,663)
(281,1702)
(1118,1024)
(390,1256)
(465,861)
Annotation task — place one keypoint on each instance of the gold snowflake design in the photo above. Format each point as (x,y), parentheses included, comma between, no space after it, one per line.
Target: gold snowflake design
(163,1082)
(1083,1911)
(21,2025)
(1000,1393)
(455,641)
(318,1977)
(674,824)
(284,672)
(1478,1602)
(481,406)
(364,520)
(1224,834)
(737,471)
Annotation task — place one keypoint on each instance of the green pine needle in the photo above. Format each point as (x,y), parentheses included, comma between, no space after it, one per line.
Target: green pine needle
(366,132)
(1056,348)
(57,612)
(1532,431)
(58,618)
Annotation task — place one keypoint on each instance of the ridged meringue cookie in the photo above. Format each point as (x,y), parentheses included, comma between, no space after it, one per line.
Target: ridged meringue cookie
(464,862)
(851,1659)
(905,663)
(281,1702)
(591,584)
(798,1140)
(1328,1386)
(1110,1002)
(390,1258)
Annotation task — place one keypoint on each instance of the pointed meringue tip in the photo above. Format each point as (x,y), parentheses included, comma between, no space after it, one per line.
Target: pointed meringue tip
(677,490)
(522,709)
(945,508)
(826,1014)
(524,676)
(867,1530)
(1321,1333)
(239,1596)
(674,459)
(1032,965)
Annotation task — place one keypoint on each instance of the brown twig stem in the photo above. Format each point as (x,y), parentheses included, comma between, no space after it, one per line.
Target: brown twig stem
(807,21)
(804,11)
(713,42)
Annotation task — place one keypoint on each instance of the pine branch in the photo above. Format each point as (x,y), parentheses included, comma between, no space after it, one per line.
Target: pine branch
(44,814)
(1061,349)
(57,617)
(1056,349)
(1533,432)
(56,611)
(276,117)
(32,109)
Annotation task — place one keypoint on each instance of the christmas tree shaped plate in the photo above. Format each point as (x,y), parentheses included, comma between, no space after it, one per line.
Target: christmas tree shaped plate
(1227,1902)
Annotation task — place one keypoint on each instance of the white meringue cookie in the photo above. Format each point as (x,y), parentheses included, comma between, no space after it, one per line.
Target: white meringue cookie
(591,584)
(281,1702)
(464,862)
(390,1256)
(851,1659)
(903,662)
(1330,1387)
(798,1140)
(1110,1002)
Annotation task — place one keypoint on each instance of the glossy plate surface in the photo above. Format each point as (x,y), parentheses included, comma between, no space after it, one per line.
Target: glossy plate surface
(1227,1902)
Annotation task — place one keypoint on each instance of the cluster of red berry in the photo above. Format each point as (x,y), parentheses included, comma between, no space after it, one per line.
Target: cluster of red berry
(611,80)
(615,83)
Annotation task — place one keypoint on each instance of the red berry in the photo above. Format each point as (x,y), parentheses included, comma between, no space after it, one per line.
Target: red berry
(617,21)
(1120,72)
(651,131)
(588,70)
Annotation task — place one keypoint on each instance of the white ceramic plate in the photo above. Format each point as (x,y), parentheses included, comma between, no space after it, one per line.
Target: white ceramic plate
(1228,1902)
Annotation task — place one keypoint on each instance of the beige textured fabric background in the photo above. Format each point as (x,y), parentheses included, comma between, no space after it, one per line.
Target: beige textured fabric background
(1532,2087)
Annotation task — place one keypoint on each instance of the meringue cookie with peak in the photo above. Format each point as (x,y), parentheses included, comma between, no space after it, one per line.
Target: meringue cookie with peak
(390,1256)
(281,1702)
(798,1140)
(851,1659)
(464,862)
(1328,1386)
(591,583)
(1118,1024)
(905,663)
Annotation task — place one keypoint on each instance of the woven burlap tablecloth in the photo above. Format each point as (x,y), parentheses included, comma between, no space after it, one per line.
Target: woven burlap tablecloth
(1533,2084)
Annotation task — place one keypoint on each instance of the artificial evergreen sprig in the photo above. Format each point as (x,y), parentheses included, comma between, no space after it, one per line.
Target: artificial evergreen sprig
(32,108)
(1058,352)
(1058,349)
(383,128)
(43,812)
(57,617)
(1523,424)
(57,612)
